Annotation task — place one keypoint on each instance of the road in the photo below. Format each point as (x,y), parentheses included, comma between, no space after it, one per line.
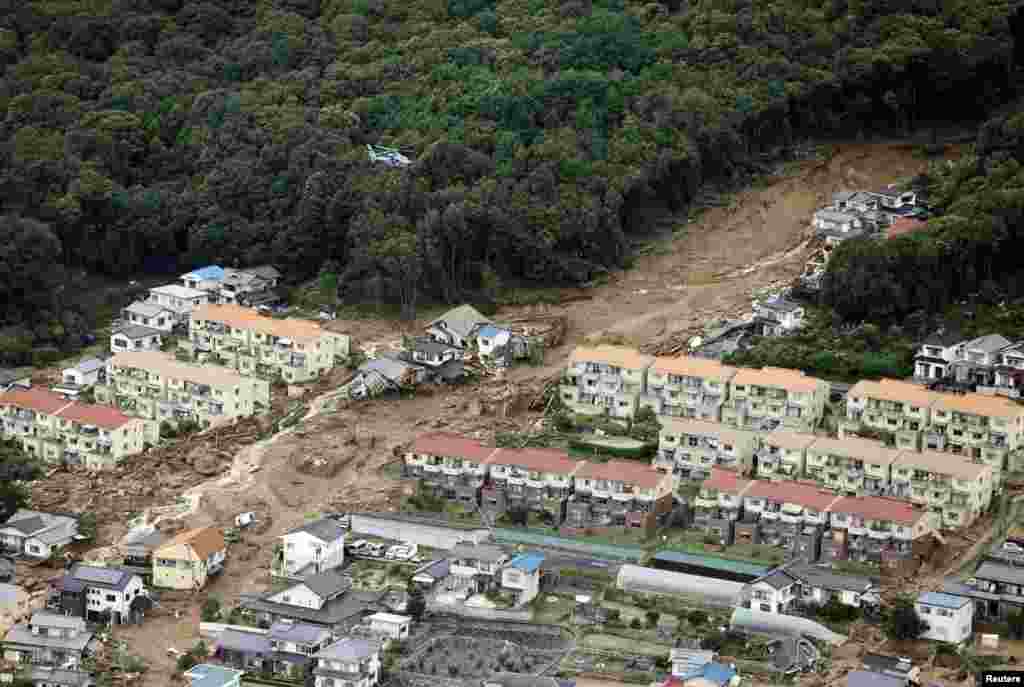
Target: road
(560,559)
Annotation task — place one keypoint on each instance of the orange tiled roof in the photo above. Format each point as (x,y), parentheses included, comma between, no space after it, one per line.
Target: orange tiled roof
(247,318)
(50,403)
(89,414)
(39,400)
(979,404)
(619,356)
(688,366)
(203,540)
(791,380)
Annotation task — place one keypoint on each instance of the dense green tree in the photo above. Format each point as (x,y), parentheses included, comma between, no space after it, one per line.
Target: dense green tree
(901,621)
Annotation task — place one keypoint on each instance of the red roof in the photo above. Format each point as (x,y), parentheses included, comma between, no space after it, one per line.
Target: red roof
(727,481)
(806,495)
(454,445)
(878,508)
(101,416)
(39,400)
(904,225)
(539,459)
(641,474)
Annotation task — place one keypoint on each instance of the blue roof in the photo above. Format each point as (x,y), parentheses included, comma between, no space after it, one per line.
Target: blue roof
(210,272)
(942,600)
(208,675)
(723,564)
(488,330)
(527,562)
(718,673)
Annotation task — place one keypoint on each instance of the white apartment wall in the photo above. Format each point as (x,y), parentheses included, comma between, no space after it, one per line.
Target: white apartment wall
(946,624)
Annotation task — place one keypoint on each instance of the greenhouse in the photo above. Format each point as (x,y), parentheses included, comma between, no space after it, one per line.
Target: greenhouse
(752,621)
(707,591)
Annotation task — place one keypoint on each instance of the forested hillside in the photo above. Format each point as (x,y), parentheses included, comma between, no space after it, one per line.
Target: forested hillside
(974,248)
(147,136)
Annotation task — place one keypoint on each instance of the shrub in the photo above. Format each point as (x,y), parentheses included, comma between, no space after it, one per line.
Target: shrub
(636,624)
(697,618)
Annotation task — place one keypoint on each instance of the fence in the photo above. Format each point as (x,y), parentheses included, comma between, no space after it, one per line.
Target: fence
(583,545)
(482,613)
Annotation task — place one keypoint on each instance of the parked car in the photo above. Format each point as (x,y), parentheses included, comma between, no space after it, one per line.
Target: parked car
(375,550)
(358,546)
(1013,547)
(393,552)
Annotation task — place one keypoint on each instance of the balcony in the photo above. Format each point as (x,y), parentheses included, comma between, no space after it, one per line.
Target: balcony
(770,515)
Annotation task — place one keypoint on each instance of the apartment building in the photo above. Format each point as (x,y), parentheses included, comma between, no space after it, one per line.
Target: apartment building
(775,397)
(789,516)
(986,429)
(873,528)
(900,408)
(954,487)
(605,379)
(619,492)
(720,497)
(689,449)
(449,465)
(687,387)
(157,387)
(782,454)
(241,338)
(56,430)
(537,479)
(851,465)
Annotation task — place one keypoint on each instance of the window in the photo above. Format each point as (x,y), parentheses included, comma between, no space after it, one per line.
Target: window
(925,610)
(111,597)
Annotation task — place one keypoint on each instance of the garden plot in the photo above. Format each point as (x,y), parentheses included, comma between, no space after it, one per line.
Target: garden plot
(470,657)
(374,577)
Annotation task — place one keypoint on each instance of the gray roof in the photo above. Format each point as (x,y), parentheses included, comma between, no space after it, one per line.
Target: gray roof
(241,640)
(462,320)
(107,578)
(780,579)
(1000,573)
(337,610)
(21,634)
(520,680)
(780,304)
(437,569)
(890,665)
(46,527)
(835,215)
(264,271)
(146,309)
(47,619)
(990,343)
(868,678)
(144,537)
(350,649)
(90,365)
(431,347)
(301,633)
(26,526)
(66,678)
(826,579)
(328,584)
(325,529)
(8,376)
(9,594)
(479,552)
(136,331)
(389,368)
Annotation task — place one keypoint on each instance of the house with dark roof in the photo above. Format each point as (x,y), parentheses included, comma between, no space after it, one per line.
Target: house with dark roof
(326,599)
(778,315)
(899,667)
(350,659)
(284,650)
(36,534)
(935,355)
(429,574)
(775,592)
(135,337)
(385,374)
(49,640)
(137,548)
(457,326)
(101,593)
(820,585)
(310,549)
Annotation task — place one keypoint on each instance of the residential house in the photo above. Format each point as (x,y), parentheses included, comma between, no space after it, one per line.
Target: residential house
(157,387)
(1009,371)
(619,493)
(15,606)
(429,574)
(782,454)
(778,315)
(36,534)
(49,640)
(102,594)
(819,586)
(711,674)
(876,529)
(771,397)
(687,387)
(449,465)
(433,354)
(135,337)
(457,327)
(500,345)
(935,355)
(790,516)
(46,676)
(284,650)
(209,675)
(349,662)
(188,559)
(950,618)
(207,278)
(975,361)
(775,592)
(241,338)
(10,379)
(898,408)
(605,380)
(997,590)
(870,678)
(93,436)
(851,465)
(151,315)
(86,373)
(539,480)
(390,626)
(382,375)
(854,201)
(180,300)
(476,568)
(137,549)
(310,549)
(836,226)
(326,600)
(891,198)
(899,667)
(720,498)
(242,286)
(522,577)
(689,449)
(954,487)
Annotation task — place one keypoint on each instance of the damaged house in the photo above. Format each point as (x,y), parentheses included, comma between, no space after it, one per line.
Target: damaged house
(384,375)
